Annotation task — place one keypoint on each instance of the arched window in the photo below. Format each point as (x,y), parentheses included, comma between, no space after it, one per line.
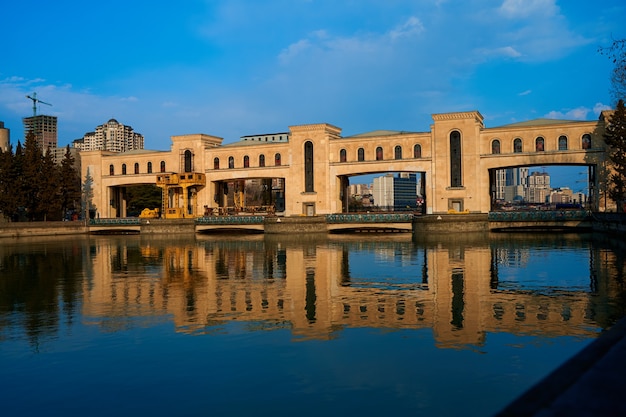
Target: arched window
(539,144)
(246,161)
(586,141)
(495,146)
(261,160)
(277,161)
(149,168)
(517,145)
(342,156)
(188,164)
(361,154)
(111,170)
(231,162)
(162,166)
(136,168)
(308,167)
(379,153)
(455,159)
(123,169)
(417,150)
(562,143)
(216,163)
(397,152)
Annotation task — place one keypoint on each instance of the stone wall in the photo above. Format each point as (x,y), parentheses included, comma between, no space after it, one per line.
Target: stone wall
(26,229)
(451,223)
(288,225)
(172,226)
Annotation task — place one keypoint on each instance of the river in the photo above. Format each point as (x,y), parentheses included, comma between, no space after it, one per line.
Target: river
(372,324)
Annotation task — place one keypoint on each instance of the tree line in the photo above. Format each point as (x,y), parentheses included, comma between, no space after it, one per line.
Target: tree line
(34,188)
(615,135)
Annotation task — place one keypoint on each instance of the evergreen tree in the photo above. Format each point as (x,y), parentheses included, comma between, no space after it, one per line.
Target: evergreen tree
(87,195)
(69,182)
(15,182)
(49,204)
(615,138)
(6,164)
(32,173)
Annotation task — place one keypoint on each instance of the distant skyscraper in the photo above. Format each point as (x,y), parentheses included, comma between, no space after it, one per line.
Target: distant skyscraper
(111,136)
(44,128)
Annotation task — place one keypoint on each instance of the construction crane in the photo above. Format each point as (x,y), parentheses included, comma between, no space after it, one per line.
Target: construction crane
(35,101)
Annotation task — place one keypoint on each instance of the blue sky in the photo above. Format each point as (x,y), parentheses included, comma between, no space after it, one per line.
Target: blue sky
(241,67)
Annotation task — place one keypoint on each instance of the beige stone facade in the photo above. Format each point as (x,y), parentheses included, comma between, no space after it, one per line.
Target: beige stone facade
(458,158)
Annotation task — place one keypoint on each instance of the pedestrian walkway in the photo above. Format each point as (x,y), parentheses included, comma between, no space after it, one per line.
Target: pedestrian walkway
(591,384)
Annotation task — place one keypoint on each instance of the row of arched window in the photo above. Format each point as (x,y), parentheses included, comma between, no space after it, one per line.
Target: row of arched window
(379,155)
(540,144)
(246,161)
(136,169)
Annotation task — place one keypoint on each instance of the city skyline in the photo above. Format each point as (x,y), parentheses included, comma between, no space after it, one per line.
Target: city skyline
(236,68)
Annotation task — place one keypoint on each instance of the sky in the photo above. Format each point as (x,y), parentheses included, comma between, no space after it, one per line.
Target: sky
(231,68)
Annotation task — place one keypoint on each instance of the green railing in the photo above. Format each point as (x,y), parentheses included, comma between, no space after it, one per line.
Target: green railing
(125,221)
(370,218)
(537,215)
(212,220)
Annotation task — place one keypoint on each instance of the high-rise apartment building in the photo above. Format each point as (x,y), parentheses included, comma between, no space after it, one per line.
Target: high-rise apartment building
(111,136)
(538,189)
(44,128)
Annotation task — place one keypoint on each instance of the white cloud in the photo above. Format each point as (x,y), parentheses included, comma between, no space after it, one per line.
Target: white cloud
(579,113)
(505,51)
(293,50)
(520,9)
(412,27)
(599,107)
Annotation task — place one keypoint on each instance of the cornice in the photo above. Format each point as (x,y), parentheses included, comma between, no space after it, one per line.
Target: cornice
(458,116)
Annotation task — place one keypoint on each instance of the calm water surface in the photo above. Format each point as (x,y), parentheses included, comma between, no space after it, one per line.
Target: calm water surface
(272,326)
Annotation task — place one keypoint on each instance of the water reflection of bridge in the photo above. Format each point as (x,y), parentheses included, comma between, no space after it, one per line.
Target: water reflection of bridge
(313,288)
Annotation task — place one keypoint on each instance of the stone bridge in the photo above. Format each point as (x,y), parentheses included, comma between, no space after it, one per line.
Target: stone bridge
(306,171)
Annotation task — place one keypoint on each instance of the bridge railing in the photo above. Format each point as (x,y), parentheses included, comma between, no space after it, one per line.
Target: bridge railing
(370,218)
(212,220)
(124,221)
(537,215)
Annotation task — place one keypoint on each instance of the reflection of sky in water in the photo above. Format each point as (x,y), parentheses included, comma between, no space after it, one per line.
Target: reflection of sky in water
(545,270)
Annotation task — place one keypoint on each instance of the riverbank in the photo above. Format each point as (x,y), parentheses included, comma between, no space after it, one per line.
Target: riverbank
(608,223)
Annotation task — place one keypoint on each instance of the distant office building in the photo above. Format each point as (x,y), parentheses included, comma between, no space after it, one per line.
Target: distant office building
(358,190)
(405,191)
(510,183)
(58,154)
(5,138)
(514,193)
(563,195)
(111,136)
(44,128)
(395,193)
